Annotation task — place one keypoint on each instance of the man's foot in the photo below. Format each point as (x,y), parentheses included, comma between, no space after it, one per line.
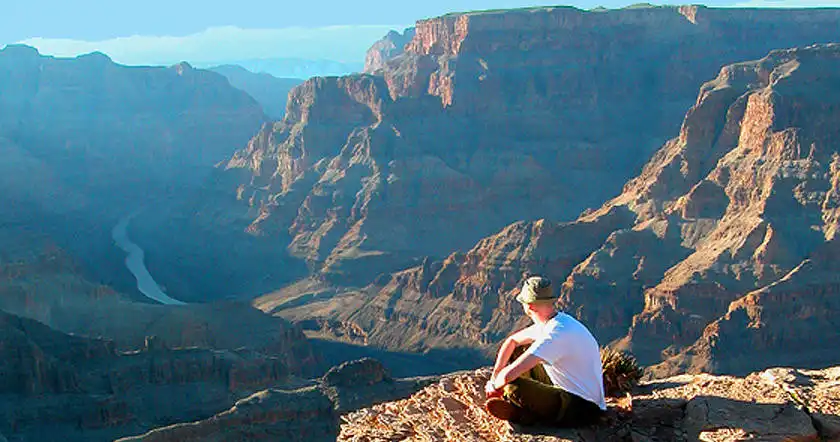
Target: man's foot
(494,394)
(502,409)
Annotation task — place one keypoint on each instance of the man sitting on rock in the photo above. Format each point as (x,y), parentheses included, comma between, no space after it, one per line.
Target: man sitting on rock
(550,372)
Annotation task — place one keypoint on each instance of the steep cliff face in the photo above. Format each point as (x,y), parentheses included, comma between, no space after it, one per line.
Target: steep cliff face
(776,404)
(56,386)
(723,244)
(796,312)
(752,205)
(487,119)
(38,360)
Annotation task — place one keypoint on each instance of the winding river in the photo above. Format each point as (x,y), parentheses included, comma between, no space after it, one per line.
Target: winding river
(136,265)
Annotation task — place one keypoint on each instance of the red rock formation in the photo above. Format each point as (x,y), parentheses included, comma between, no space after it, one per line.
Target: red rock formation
(486,119)
(727,236)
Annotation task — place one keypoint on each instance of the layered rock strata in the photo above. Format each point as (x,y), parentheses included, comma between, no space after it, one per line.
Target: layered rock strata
(719,256)
(56,386)
(486,119)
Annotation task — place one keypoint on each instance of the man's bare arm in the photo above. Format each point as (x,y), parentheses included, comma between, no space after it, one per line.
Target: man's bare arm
(517,368)
(522,337)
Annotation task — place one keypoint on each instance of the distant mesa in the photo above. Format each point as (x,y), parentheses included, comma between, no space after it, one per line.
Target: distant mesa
(98,56)
(294,67)
(20,50)
(182,67)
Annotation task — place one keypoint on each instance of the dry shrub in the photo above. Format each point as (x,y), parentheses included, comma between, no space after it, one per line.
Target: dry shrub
(621,371)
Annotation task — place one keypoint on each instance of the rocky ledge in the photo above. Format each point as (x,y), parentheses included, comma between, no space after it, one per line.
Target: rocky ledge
(772,405)
(310,413)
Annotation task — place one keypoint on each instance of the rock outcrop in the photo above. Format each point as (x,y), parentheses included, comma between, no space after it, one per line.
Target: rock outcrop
(390,46)
(744,195)
(486,119)
(718,257)
(38,360)
(306,414)
(776,404)
(56,386)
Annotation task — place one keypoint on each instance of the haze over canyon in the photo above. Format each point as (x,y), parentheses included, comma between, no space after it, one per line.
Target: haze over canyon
(216,254)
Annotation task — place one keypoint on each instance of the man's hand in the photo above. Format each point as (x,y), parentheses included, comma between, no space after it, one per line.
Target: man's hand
(490,390)
(499,382)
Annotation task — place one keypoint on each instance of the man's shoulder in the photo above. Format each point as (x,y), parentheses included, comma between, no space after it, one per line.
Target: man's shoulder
(567,325)
(567,321)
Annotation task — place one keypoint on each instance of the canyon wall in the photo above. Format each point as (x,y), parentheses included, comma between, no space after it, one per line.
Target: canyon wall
(57,386)
(486,119)
(718,256)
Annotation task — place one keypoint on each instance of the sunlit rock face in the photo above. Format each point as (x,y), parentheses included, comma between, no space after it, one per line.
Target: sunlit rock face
(483,120)
(388,47)
(775,404)
(702,224)
(717,257)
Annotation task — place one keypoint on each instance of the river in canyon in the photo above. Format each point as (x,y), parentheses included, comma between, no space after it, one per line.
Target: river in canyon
(135,262)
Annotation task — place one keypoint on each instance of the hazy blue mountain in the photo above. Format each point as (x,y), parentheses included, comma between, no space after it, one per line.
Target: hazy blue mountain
(271,92)
(293,67)
(85,141)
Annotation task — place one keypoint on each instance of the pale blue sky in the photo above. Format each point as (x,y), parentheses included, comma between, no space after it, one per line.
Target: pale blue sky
(166,31)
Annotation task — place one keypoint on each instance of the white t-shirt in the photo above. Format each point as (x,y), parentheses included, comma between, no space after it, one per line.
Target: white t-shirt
(572,357)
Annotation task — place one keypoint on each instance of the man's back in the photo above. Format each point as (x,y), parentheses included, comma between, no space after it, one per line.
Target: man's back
(572,357)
